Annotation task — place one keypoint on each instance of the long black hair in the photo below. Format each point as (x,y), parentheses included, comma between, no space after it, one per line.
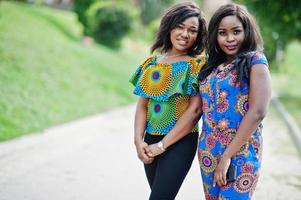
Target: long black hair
(174,16)
(252,41)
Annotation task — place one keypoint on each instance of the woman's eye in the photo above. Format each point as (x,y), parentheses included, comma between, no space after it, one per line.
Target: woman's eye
(236,32)
(179,27)
(222,33)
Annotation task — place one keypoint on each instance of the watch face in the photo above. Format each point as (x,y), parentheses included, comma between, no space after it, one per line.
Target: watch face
(160,145)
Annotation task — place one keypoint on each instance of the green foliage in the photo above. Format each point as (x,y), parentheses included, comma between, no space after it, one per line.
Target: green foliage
(277,17)
(17,0)
(48,77)
(80,7)
(152,9)
(153,27)
(109,23)
(286,82)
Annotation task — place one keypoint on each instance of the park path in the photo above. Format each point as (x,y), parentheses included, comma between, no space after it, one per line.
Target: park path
(95,159)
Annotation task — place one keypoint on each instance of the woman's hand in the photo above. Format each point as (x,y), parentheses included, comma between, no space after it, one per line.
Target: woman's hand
(153,150)
(221,172)
(141,148)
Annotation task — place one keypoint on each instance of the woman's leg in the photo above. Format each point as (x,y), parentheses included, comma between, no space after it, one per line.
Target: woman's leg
(172,167)
(150,169)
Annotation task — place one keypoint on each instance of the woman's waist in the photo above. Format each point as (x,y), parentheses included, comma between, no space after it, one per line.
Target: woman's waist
(229,130)
(162,128)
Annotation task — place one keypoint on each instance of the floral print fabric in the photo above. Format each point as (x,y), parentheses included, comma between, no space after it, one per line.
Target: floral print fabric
(225,103)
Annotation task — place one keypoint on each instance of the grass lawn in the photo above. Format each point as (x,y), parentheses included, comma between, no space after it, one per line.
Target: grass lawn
(48,77)
(287,81)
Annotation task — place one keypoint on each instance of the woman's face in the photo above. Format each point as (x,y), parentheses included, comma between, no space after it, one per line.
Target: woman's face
(184,35)
(230,35)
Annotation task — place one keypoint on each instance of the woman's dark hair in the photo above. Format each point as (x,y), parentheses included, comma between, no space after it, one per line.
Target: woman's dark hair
(174,16)
(252,41)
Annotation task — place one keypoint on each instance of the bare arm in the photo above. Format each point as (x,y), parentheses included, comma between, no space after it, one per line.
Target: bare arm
(183,126)
(140,123)
(140,119)
(259,98)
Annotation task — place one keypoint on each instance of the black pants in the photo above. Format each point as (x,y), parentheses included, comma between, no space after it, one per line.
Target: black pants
(166,173)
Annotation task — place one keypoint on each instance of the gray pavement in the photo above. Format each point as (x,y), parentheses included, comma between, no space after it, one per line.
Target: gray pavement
(94,158)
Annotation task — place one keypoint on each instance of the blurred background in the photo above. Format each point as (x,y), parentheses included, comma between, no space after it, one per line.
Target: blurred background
(62,60)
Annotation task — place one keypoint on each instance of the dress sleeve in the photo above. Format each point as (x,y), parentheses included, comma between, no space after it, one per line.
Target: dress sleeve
(164,81)
(259,58)
(196,66)
(139,71)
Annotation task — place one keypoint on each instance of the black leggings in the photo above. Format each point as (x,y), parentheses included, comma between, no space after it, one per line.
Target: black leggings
(166,173)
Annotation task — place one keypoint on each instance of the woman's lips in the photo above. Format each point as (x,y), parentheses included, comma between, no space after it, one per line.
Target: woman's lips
(182,42)
(231,47)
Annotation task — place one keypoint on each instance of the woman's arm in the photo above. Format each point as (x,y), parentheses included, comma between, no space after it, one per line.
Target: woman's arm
(259,98)
(139,128)
(183,126)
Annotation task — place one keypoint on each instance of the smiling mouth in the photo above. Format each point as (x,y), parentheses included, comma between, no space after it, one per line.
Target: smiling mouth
(231,48)
(183,42)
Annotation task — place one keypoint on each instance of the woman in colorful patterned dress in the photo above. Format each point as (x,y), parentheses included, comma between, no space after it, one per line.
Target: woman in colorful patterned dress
(168,109)
(235,89)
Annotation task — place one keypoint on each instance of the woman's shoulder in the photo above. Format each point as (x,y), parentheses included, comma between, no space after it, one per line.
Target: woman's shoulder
(147,62)
(200,59)
(258,57)
(198,62)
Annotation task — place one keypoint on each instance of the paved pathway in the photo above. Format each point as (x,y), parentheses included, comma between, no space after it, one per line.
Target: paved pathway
(95,159)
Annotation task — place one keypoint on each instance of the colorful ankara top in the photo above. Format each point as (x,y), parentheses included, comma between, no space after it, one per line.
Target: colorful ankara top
(168,88)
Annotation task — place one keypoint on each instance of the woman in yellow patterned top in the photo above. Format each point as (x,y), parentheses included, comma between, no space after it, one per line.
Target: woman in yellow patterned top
(168,109)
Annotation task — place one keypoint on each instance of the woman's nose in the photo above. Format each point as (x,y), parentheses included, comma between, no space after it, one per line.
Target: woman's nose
(185,33)
(230,38)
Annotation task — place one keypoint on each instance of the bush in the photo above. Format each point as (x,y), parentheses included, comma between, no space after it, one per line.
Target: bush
(152,9)
(108,23)
(80,7)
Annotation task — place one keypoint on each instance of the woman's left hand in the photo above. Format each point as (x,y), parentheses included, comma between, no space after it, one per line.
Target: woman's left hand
(153,150)
(221,171)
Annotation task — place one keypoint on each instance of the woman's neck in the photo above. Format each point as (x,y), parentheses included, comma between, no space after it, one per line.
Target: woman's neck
(229,60)
(174,54)
(171,56)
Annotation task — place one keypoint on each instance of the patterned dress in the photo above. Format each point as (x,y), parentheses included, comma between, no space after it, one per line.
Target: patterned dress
(168,88)
(225,103)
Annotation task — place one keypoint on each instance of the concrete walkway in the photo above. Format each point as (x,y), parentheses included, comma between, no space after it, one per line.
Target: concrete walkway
(95,159)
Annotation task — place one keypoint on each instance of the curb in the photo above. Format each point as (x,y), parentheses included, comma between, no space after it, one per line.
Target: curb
(290,122)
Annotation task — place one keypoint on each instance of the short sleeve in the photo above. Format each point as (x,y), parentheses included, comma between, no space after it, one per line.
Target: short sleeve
(139,71)
(196,66)
(259,58)
(162,81)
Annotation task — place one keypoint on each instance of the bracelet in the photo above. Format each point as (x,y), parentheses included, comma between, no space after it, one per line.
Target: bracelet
(161,146)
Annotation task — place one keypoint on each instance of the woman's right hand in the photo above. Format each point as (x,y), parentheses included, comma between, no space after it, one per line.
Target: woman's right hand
(141,152)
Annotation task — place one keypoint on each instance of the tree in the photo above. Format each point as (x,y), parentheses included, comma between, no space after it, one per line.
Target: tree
(280,22)
(108,22)
(151,9)
(80,7)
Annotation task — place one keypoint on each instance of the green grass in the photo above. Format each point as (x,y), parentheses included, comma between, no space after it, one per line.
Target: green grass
(287,81)
(47,77)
